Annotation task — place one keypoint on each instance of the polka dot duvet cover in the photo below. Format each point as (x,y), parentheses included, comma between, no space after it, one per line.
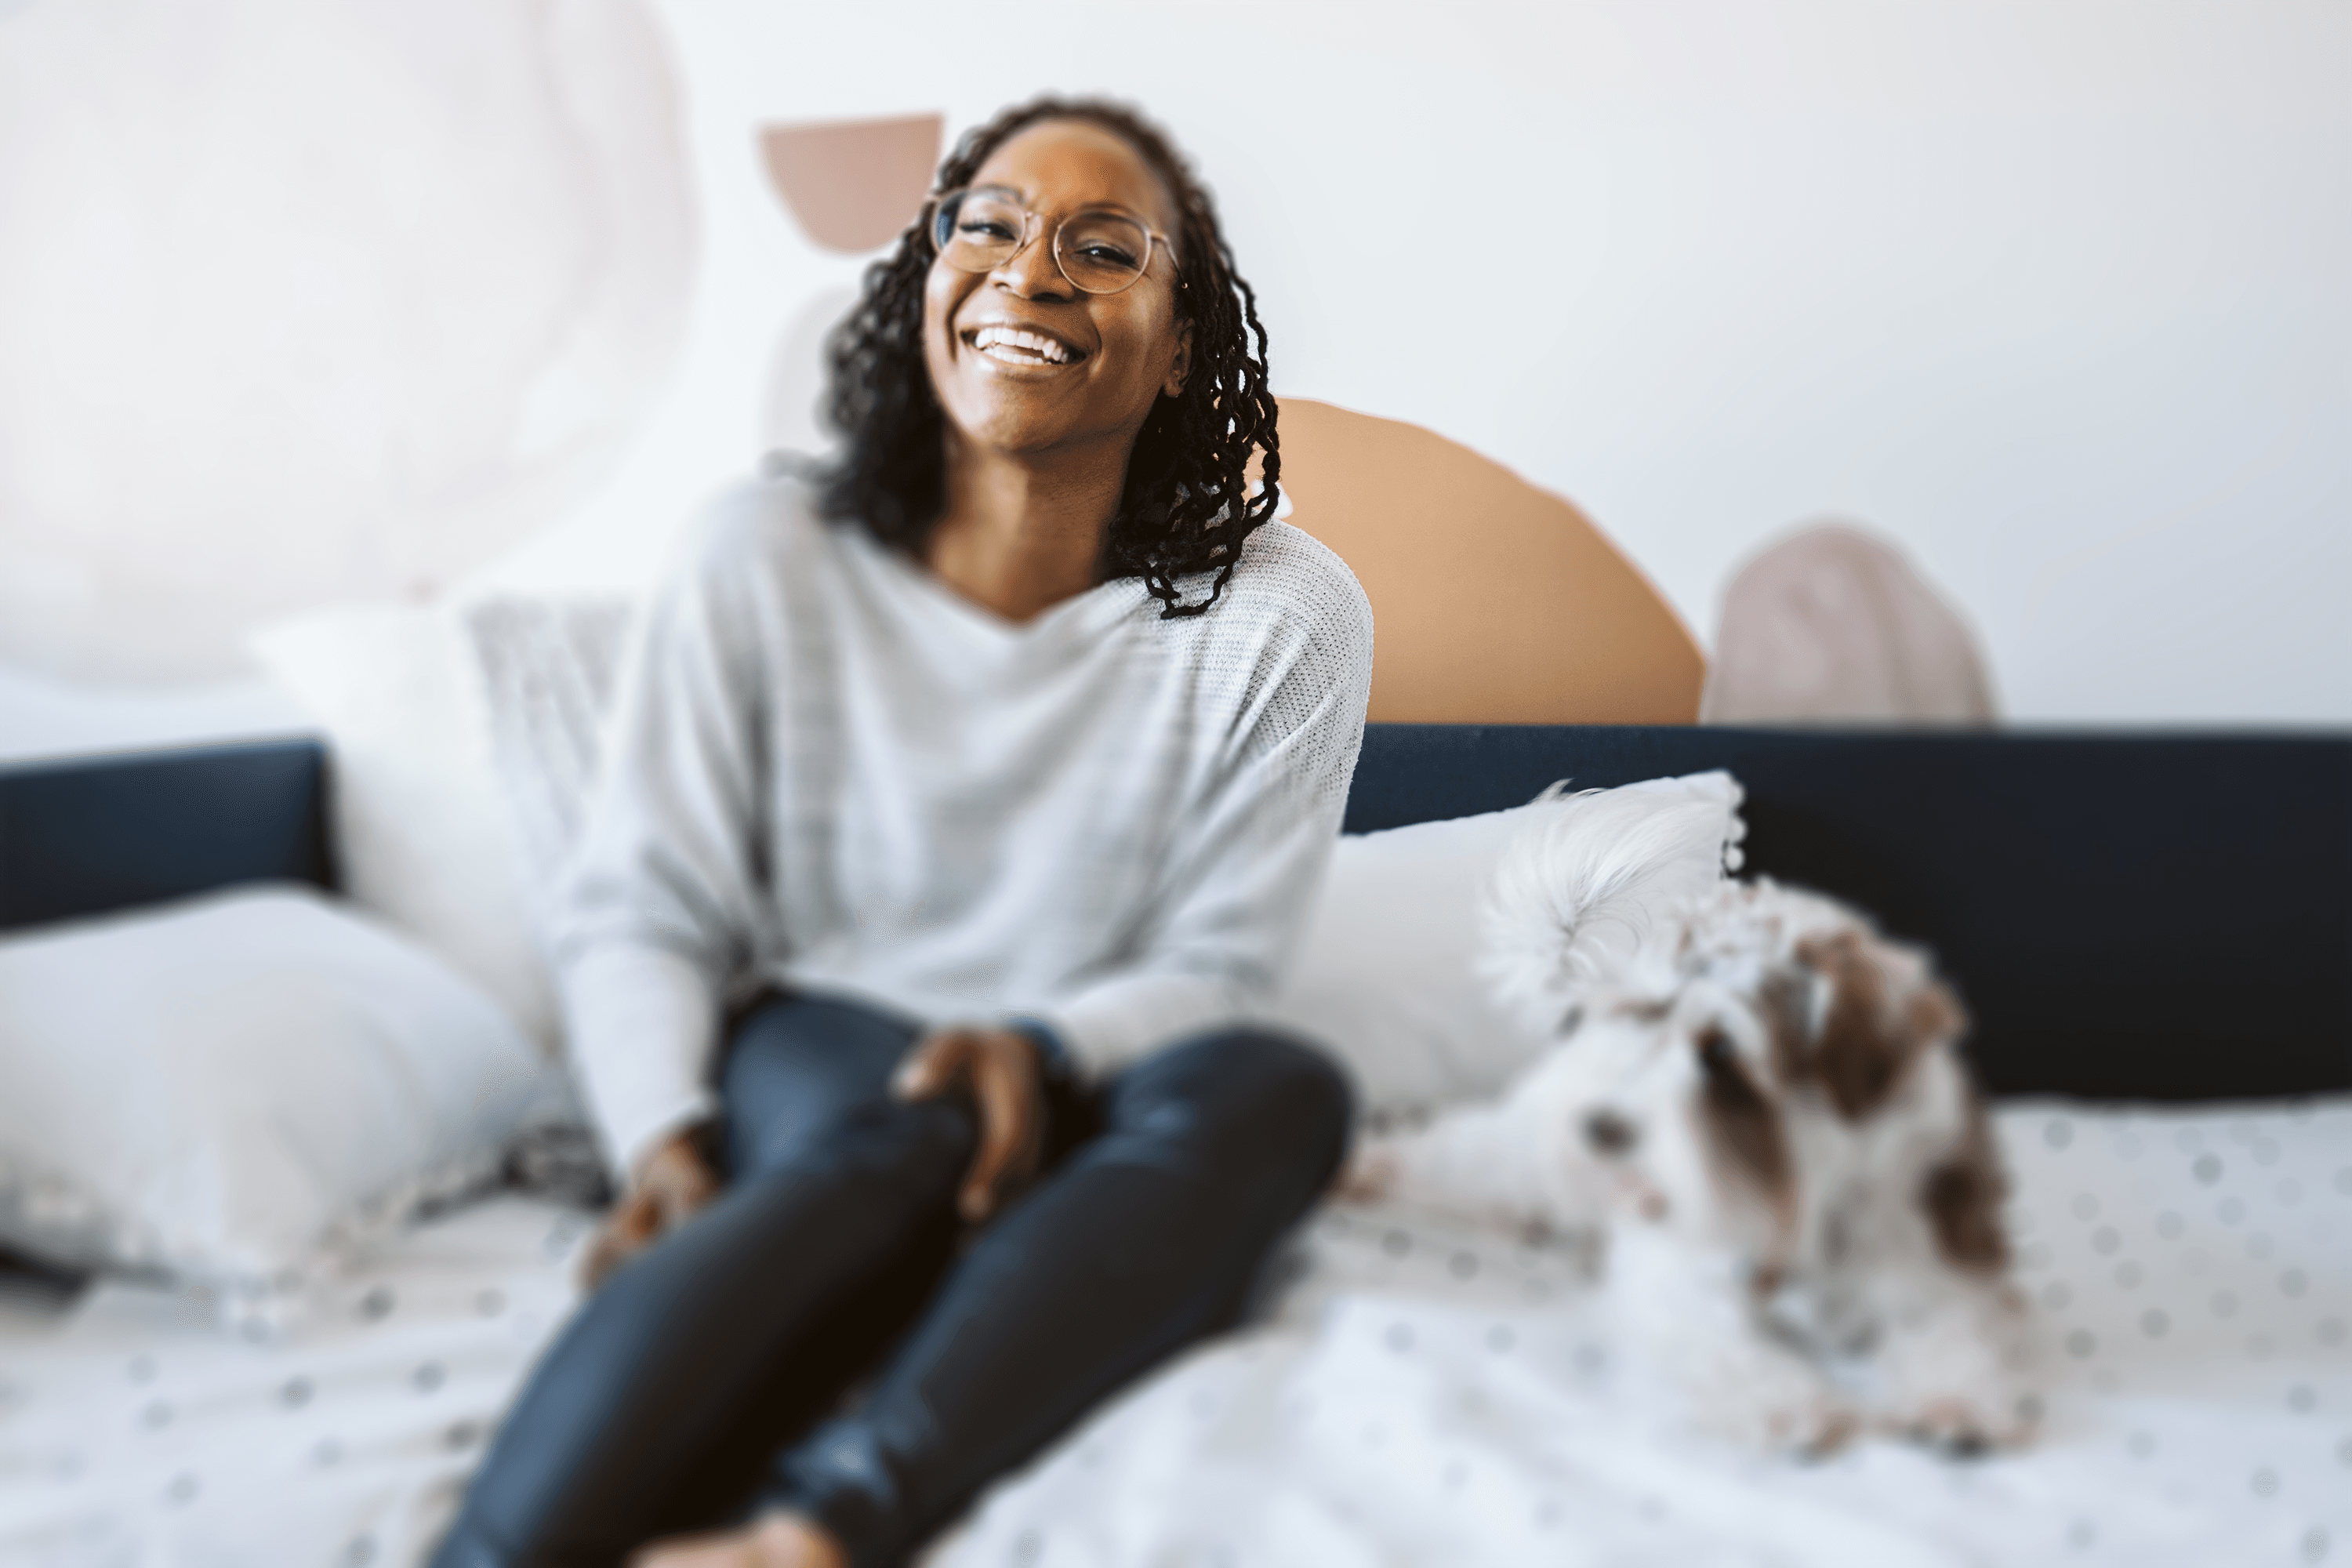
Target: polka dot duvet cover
(1412,1393)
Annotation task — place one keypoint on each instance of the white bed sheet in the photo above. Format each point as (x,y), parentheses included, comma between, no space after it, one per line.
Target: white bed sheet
(1417,1393)
(135,1433)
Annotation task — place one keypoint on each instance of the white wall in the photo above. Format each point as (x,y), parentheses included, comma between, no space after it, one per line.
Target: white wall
(2050,291)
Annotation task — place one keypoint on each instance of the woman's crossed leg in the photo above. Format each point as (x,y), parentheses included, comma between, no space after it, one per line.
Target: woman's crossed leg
(683,1393)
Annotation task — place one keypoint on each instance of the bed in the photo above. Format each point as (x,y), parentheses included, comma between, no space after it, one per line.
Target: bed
(2167,1021)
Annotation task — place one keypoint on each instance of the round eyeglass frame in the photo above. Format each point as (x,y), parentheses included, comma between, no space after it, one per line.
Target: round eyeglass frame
(942,215)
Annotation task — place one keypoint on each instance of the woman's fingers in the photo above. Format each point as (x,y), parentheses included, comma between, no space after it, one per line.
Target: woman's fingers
(603,1255)
(1004,1086)
(634,1221)
(920,1072)
(1000,1067)
(683,1189)
(671,1184)
(933,1065)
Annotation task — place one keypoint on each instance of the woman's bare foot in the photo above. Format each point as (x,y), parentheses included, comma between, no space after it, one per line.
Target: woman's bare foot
(778,1541)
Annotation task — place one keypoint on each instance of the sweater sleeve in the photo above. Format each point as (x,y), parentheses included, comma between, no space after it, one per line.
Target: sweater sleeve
(660,910)
(1251,856)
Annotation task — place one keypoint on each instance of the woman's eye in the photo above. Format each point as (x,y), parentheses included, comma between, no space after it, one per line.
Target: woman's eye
(983,229)
(1108,255)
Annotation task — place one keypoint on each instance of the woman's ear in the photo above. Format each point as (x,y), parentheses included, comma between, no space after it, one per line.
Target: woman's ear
(1181,366)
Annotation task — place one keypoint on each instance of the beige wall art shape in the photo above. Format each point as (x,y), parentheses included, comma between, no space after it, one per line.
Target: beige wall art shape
(1493,602)
(302,303)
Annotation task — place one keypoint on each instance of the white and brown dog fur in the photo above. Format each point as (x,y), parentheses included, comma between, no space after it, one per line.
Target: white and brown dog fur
(1755,1104)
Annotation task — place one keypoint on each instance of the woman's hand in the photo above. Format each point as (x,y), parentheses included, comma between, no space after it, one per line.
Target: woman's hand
(669,1184)
(1000,1067)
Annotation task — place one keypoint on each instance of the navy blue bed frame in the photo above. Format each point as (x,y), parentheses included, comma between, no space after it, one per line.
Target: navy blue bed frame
(2128,916)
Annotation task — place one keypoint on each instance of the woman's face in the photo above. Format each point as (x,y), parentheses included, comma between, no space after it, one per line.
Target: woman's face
(1118,352)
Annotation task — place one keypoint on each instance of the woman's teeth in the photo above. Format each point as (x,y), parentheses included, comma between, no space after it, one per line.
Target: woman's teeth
(1016,347)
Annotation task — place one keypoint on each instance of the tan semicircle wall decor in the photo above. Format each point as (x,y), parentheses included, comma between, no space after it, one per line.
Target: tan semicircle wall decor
(1493,602)
(853,184)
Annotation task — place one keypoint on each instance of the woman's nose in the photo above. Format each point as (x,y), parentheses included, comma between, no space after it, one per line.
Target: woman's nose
(1031,272)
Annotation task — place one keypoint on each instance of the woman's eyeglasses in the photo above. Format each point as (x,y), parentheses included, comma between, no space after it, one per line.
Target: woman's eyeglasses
(1101,252)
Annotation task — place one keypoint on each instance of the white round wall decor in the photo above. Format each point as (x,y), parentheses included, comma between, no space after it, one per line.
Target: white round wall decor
(305,304)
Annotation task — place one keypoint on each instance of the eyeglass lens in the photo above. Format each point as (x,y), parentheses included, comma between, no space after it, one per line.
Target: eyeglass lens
(1100,252)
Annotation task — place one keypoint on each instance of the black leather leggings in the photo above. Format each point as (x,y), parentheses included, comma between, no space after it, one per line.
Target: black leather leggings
(694,1387)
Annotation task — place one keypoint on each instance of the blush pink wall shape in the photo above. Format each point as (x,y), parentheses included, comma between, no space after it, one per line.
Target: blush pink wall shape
(852,186)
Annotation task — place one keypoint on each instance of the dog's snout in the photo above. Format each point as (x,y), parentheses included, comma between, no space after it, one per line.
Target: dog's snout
(1609,1134)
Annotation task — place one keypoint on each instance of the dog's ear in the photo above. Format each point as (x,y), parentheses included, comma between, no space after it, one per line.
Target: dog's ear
(1744,1125)
(1788,997)
(1933,1015)
(1963,1194)
(1867,1038)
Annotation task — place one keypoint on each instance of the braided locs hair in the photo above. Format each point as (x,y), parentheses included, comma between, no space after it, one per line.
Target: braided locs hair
(1186,507)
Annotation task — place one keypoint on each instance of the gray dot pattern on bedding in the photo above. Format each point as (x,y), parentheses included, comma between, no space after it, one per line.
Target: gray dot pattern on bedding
(1413,1392)
(134,1431)
(1428,1394)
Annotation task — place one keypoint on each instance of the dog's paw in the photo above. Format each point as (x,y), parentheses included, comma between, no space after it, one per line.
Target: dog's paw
(1767,1400)
(1372,1173)
(1812,1424)
(1960,1377)
(1808,1426)
(1965,1423)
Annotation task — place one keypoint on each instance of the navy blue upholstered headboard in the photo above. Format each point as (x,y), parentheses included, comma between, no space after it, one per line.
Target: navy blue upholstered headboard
(95,834)
(2128,916)
(2158,916)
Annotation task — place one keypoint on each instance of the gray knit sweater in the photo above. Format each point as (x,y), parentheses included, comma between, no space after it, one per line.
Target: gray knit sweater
(830,771)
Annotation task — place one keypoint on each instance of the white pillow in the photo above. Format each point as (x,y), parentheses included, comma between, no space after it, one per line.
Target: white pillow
(549,668)
(421,828)
(1387,975)
(465,740)
(240,1089)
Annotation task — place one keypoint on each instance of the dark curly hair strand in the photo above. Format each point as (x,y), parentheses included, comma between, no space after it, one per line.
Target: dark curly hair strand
(1186,507)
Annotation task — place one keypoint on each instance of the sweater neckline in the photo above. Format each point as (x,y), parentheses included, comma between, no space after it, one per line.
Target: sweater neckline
(1098,606)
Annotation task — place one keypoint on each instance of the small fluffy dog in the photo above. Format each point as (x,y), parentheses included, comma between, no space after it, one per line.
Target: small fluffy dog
(1755,1105)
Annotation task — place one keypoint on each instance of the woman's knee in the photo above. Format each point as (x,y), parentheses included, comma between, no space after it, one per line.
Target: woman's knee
(794,1067)
(1264,1100)
(923,1146)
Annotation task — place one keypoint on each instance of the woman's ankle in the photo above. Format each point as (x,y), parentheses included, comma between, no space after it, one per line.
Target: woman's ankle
(796,1541)
(772,1541)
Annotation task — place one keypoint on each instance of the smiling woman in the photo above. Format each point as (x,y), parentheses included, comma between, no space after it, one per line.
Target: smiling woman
(1074,357)
(1178,344)
(965,800)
